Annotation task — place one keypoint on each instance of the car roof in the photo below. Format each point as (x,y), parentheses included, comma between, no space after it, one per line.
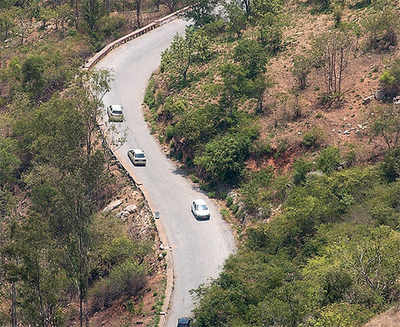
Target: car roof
(183,320)
(116,107)
(199,201)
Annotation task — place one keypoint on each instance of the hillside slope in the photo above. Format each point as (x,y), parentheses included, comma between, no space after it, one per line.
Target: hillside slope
(283,111)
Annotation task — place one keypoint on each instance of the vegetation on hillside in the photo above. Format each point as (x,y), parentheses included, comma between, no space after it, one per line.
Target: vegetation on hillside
(256,110)
(61,259)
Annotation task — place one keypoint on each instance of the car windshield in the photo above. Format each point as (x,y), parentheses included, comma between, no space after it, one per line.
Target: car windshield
(139,155)
(117,112)
(202,207)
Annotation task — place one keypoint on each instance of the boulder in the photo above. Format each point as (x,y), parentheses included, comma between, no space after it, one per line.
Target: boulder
(396,100)
(368,99)
(131,208)
(113,205)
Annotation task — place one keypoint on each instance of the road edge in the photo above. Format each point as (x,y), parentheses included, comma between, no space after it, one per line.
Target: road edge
(159,226)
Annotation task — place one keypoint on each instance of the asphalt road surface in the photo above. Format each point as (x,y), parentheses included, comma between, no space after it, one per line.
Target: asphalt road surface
(199,248)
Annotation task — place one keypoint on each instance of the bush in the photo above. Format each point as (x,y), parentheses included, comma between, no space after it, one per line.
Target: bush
(126,279)
(255,190)
(237,18)
(271,38)
(313,138)
(300,70)
(149,98)
(251,56)
(215,28)
(329,159)
(301,168)
(260,149)
(111,25)
(391,165)
(169,132)
(224,157)
(381,27)
(390,79)
(172,108)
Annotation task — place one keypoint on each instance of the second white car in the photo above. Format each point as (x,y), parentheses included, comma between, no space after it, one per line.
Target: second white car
(137,157)
(200,210)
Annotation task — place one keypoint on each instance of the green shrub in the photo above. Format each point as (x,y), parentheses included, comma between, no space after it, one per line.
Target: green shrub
(255,190)
(111,25)
(300,70)
(390,79)
(169,132)
(172,108)
(391,165)
(381,28)
(229,201)
(301,168)
(126,279)
(237,19)
(313,138)
(224,158)
(384,205)
(329,159)
(271,38)
(251,56)
(215,28)
(149,98)
(261,149)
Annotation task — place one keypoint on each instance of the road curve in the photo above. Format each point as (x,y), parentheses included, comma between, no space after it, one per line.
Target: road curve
(199,248)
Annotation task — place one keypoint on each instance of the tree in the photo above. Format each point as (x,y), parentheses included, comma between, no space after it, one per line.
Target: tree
(91,14)
(138,5)
(390,80)
(235,80)
(300,70)
(381,27)
(202,12)
(63,14)
(386,124)
(23,24)
(255,88)
(237,18)
(33,75)
(171,4)
(332,50)
(251,55)
(329,159)
(6,24)
(223,158)
(9,162)
(183,51)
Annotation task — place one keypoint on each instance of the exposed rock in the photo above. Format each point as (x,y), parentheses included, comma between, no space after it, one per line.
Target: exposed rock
(396,100)
(131,208)
(113,205)
(379,94)
(368,99)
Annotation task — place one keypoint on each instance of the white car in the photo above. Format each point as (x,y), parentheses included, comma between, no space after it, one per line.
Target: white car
(115,113)
(200,210)
(137,157)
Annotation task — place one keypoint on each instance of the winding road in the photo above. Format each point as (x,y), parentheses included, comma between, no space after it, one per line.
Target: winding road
(199,248)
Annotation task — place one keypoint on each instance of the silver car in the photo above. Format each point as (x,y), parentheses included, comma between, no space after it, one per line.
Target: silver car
(137,157)
(115,113)
(200,210)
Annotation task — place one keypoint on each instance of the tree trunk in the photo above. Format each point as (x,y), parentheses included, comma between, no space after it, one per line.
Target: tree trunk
(13,306)
(76,13)
(138,9)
